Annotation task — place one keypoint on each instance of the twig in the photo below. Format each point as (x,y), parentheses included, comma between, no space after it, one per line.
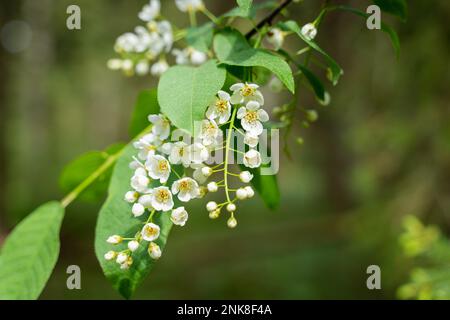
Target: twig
(268,19)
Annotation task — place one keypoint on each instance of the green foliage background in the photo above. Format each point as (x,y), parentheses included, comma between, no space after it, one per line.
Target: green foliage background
(380,151)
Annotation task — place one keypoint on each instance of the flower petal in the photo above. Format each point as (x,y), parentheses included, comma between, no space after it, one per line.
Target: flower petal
(241,112)
(262,115)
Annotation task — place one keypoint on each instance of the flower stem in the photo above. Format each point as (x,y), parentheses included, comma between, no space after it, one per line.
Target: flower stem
(209,14)
(68,199)
(227,153)
(71,196)
(192,18)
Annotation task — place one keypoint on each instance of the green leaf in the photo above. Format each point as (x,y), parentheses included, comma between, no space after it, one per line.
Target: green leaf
(147,103)
(239,12)
(336,70)
(184,92)
(398,8)
(82,167)
(115,218)
(232,48)
(200,37)
(30,253)
(245,6)
(384,27)
(315,83)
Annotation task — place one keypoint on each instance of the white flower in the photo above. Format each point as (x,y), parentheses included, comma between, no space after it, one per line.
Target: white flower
(198,174)
(137,209)
(146,200)
(158,68)
(162,199)
(252,159)
(275,37)
(198,153)
(158,168)
(150,232)
(220,108)
(150,11)
(245,176)
(243,93)
(147,145)
(211,206)
(133,245)
(114,64)
(187,189)
(140,181)
(179,216)
(142,68)
(127,42)
(241,193)
(251,139)
(121,258)
(189,5)
(207,171)
(126,265)
(231,207)
(251,117)
(135,165)
(209,132)
(189,56)
(250,192)
(154,251)
(309,31)
(115,239)
(214,214)
(198,57)
(165,34)
(110,255)
(127,66)
(131,196)
(212,186)
(161,125)
(232,222)
(179,153)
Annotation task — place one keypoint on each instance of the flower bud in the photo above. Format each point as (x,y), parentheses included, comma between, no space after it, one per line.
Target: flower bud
(154,251)
(206,171)
(121,258)
(133,245)
(137,209)
(245,176)
(115,239)
(211,206)
(241,193)
(212,187)
(232,222)
(110,255)
(309,31)
(214,214)
(250,192)
(312,115)
(131,196)
(231,207)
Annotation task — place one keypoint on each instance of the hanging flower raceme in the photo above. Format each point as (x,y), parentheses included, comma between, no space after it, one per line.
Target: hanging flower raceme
(156,186)
(143,51)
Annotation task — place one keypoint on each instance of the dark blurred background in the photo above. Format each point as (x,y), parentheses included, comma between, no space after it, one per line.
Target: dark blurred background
(379,151)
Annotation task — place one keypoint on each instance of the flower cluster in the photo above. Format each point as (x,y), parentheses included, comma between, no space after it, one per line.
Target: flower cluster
(144,50)
(156,183)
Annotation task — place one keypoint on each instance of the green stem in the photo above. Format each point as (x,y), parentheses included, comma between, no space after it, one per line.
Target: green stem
(192,18)
(209,14)
(70,197)
(227,153)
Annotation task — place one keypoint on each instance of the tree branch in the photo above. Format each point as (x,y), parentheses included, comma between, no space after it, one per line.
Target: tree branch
(269,18)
